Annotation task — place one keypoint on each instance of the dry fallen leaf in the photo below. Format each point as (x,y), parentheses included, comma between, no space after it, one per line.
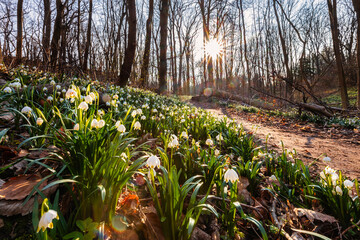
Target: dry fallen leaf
(313,215)
(18,188)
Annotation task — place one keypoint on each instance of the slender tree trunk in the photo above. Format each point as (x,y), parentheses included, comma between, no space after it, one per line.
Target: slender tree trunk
(79,32)
(129,57)
(356,4)
(88,37)
(46,32)
(338,55)
(1,56)
(146,58)
(245,49)
(57,32)
(19,36)
(164,14)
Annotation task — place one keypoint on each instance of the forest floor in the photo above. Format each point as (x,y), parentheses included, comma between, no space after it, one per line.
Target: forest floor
(309,140)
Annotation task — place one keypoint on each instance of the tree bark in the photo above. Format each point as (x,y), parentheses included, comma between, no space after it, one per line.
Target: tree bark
(164,14)
(46,32)
(338,55)
(1,56)
(88,38)
(356,4)
(19,36)
(146,58)
(57,33)
(129,57)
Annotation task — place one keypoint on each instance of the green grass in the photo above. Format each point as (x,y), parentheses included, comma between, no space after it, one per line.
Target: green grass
(335,98)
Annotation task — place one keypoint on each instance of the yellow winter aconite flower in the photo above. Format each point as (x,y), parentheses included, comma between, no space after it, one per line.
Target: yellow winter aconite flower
(46,220)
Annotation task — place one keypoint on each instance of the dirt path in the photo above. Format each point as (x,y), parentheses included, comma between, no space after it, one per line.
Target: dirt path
(345,154)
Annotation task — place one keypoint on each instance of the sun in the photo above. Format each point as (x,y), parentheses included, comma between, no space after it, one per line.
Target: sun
(213,48)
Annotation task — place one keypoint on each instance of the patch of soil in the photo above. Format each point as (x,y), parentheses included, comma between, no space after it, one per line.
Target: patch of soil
(310,141)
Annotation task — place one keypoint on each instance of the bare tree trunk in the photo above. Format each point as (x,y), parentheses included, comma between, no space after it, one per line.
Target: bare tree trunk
(78,32)
(88,37)
(46,32)
(338,55)
(146,57)
(1,56)
(129,57)
(356,4)
(57,32)
(164,14)
(19,36)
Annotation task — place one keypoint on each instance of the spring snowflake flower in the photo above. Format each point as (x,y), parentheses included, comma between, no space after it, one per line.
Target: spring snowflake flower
(182,120)
(338,190)
(174,142)
(116,97)
(39,121)
(46,220)
(143,117)
(83,106)
(71,93)
(58,87)
(231,175)
(154,110)
(137,125)
(7,90)
(153,162)
(15,85)
(219,137)
(217,152)
(61,99)
(329,170)
(134,113)
(121,128)
(88,99)
(139,111)
(97,124)
(209,142)
(348,184)
(26,110)
(273,178)
(327,159)
(77,127)
(50,98)
(45,89)
(52,82)
(184,135)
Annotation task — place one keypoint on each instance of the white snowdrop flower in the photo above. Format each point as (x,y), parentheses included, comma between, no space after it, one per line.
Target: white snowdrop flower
(348,184)
(46,220)
(217,152)
(83,89)
(121,128)
(26,110)
(329,170)
(83,106)
(334,178)
(15,85)
(63,91)
(116,97)
(97,124)
(339,190)
(143,117)
(61,99)
(94,123)
(108,104)
(184,135)
(7,90)
(139,111)
(137,125)
(52,82)
(153,161)
(219,137)
(16,80)
(327,159)
(231,175)
(58,87)
(71,93)
(197,144)
(45,89)
(154,110)
(50,98)
(39,121)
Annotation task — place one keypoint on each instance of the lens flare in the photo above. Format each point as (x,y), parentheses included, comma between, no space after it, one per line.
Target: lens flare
(213,48)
